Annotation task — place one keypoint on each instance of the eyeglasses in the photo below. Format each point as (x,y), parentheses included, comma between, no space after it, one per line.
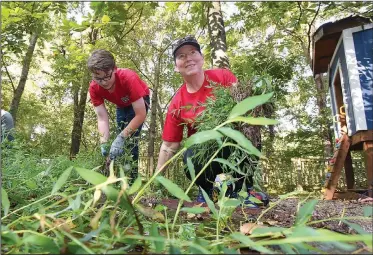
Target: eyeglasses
(106,78)
(183,56)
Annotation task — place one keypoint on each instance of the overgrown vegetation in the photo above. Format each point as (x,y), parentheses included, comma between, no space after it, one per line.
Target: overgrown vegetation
(88,213)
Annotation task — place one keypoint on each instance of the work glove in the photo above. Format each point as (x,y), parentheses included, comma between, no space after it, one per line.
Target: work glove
(116,149)
(104,149)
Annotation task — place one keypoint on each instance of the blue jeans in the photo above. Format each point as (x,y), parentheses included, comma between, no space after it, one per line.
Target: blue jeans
(124,116)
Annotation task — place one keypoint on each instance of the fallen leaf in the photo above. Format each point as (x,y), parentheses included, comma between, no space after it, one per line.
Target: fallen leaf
(151,213)
(248,228)
(271,222)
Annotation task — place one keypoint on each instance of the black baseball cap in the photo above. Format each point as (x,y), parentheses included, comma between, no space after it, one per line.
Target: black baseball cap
(187,40)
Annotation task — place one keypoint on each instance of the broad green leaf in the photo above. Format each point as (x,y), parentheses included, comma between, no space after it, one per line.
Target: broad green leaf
(135,186)
(232,202)
(105,19)
(104,224)
(255,121)
(250,243)
(202,137)
(195,248)
(305,212)
(268,230)
(159,245)
(222,192)
(304,248)
(210,204)
(193,210)
(356,227)
(368,211)
(241,140)
(91,176)
(61,180)
(229,164)
(307,233)
(191,168)
(287,249)
(31,184)
(293,193)
(8,237)
(45,242)
(174,250)
(75,205)
(255,200)
(173,188)
(248,104)
(5,201)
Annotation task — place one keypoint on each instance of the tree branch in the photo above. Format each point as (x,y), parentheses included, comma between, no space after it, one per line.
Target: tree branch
(310,27)
(300,13)
(134,24)
(6,70)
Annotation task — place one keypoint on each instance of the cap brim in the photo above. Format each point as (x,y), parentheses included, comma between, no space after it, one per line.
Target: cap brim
(187,43)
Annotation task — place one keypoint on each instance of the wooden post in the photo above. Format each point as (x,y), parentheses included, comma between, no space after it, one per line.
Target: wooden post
(340,157)
(349,171)
(368,154)
(299,175)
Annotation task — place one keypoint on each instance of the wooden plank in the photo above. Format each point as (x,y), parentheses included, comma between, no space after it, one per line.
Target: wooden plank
(349,171)
(340,158)
(368,154)
(362,136)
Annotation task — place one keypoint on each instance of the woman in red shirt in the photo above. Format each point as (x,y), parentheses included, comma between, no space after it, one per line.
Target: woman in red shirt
(187,104)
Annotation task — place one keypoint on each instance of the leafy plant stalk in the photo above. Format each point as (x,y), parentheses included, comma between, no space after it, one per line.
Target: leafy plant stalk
(142,190)
(190,187)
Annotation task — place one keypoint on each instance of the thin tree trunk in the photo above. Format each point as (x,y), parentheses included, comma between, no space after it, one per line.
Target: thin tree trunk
(80,101)
(218,42)
(153,119)
(22,81)
(321,104)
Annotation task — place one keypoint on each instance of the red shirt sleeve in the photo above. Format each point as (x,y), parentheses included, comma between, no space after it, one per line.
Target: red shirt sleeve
(173,127)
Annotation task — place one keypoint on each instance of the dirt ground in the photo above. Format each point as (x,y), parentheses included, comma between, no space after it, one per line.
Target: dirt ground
(284,213)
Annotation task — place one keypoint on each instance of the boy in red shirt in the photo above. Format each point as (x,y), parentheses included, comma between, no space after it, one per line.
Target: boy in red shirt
(186,105)
(124,88)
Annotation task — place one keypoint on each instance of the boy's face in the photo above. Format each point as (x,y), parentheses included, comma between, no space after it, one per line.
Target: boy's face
(105,79)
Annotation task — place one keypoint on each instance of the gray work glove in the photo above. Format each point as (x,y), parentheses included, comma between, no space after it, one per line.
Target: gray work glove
(116,149)
(104,149)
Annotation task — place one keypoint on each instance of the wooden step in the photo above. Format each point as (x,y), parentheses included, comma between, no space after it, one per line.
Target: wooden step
(340,157)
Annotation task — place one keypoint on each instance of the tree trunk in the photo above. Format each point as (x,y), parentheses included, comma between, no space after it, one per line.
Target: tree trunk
(22,81)
(321,104)
(218,42)
(153,119)
(80,101)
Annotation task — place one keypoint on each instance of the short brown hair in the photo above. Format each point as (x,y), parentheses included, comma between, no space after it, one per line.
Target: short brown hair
(101,60)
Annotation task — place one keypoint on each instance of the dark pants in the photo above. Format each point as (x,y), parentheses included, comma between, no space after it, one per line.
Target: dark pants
(124,116)
(207,179)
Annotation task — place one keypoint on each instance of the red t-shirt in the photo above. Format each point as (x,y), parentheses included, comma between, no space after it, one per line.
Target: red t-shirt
(128,88)
(185,106)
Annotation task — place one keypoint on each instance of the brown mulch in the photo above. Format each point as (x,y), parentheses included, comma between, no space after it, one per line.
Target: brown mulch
(284,213)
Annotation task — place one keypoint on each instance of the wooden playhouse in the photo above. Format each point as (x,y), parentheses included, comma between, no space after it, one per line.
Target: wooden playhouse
(344,49)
